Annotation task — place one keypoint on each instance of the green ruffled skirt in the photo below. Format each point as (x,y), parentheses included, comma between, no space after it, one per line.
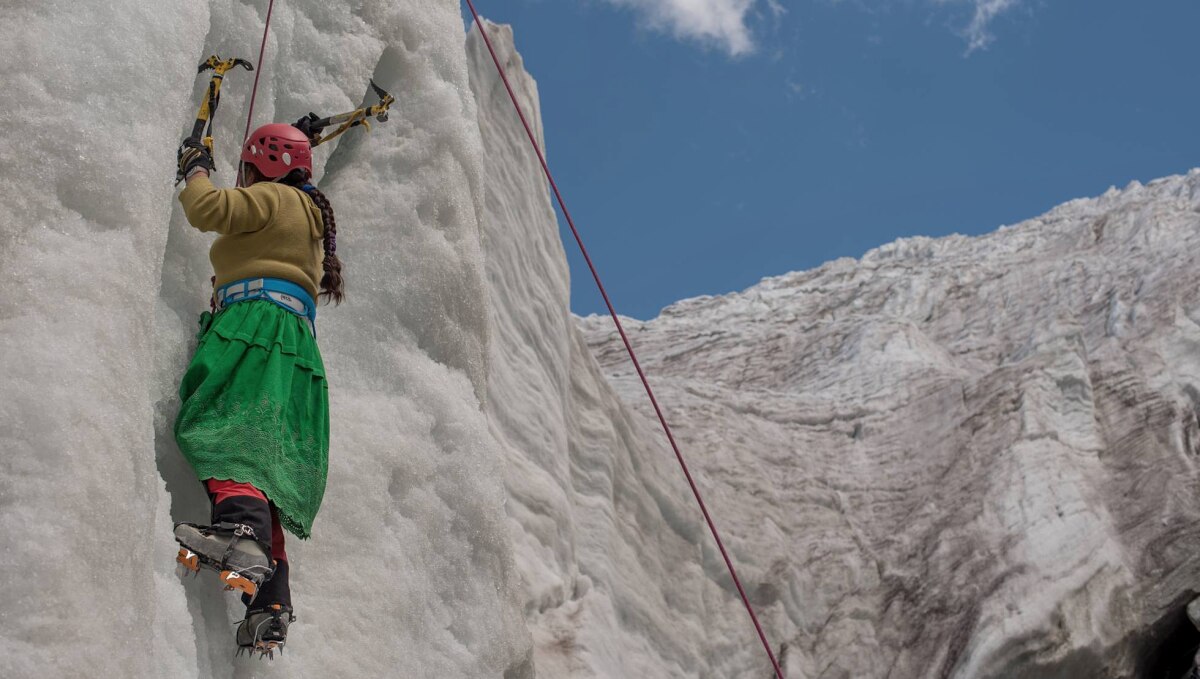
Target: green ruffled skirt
(256,409)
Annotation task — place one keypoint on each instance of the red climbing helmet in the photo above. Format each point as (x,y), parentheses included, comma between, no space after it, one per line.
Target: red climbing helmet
(277,149)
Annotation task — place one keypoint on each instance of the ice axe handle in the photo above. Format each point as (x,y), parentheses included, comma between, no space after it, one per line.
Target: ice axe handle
(212,94)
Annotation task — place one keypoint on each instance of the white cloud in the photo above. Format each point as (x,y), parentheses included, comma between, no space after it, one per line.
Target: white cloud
(976,32)
(723,22)
(718,22)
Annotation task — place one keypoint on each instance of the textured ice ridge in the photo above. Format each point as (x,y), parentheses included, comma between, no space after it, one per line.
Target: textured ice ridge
(957,457)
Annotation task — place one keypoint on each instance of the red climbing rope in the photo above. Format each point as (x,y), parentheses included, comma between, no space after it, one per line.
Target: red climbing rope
(628,347)
(254,93)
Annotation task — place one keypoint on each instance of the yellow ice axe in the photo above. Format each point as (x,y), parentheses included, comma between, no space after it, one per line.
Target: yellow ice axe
(313,126)
(208,107)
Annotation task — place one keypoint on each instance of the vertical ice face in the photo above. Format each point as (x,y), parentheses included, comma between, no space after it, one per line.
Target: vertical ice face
(618,576)
(94,98)
(528,287)
(410,572)
(485,481)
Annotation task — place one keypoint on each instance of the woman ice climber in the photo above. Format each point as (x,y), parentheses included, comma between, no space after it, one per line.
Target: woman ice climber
(254,419)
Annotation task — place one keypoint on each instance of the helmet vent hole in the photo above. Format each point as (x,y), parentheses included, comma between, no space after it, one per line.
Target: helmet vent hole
(287,146)
(271,156)
(273,147)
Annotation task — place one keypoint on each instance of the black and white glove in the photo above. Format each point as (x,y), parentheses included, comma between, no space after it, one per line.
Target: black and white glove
(305,125)
(193,155)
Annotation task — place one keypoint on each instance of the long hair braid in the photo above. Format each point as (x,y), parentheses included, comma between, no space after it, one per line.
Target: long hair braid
(331,281)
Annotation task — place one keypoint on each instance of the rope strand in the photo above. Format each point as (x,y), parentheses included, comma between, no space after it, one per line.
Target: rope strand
(258,71)
(628,347)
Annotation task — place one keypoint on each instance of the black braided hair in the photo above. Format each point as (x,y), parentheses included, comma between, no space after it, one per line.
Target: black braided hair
(331,281)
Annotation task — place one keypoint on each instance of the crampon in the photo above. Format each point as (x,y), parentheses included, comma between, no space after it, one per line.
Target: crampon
(264,631)
(229,550)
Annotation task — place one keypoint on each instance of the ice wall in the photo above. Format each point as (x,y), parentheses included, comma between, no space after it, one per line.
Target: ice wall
(620,577)
(410,572)
(91,120)
(470,427)
(964,457)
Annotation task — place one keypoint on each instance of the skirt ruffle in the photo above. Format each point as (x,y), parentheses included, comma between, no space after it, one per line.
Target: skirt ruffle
(255,409)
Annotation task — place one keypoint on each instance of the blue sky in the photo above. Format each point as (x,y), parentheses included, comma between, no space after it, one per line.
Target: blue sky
(704,145)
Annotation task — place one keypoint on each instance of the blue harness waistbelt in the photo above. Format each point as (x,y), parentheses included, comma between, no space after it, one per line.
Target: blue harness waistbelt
(283,293)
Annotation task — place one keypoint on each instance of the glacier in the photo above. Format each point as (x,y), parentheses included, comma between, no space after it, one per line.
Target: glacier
(963,457)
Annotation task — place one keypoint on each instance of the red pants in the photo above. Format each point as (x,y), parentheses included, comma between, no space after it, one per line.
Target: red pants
(222,490)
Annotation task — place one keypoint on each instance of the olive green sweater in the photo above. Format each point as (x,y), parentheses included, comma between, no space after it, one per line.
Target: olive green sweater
(268,230)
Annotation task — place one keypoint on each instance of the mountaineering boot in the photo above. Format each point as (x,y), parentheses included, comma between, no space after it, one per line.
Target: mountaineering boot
(274,590)
(264,630)
(267,615)
(231,549)
(236,545)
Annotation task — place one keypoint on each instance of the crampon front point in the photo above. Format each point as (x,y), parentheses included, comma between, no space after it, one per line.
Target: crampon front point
(232,580)
(264,649)
(264,630)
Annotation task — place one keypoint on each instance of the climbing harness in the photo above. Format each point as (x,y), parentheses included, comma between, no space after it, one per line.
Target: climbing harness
(313,126)
(628,347)
(282,293)
(202,128)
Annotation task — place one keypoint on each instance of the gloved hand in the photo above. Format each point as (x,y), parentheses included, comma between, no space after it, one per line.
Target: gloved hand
(305,125)
(193,154)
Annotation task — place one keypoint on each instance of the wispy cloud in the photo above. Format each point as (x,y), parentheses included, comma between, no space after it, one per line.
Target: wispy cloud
(717,22)
(976,32)
(723,23)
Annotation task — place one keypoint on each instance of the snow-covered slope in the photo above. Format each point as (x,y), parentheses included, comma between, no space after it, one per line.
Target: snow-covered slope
(965,457)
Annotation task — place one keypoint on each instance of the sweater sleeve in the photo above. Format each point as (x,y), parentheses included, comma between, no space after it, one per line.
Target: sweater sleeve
(227,211)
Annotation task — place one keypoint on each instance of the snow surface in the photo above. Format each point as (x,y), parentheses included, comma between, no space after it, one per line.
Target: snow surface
(963,457)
